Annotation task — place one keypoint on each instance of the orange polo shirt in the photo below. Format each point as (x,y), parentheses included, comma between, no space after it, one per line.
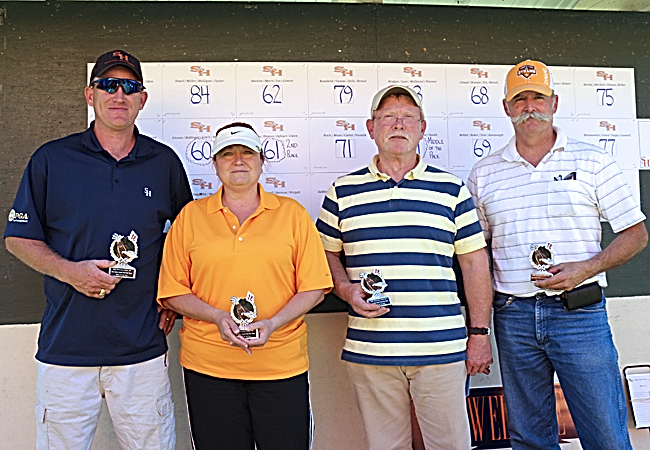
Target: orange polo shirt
(276,253)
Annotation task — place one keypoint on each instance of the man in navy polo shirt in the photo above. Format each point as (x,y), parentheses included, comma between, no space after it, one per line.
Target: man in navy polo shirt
(89,214)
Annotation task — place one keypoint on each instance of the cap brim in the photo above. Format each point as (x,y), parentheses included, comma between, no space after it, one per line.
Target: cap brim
(396,89)
(237,136)
(529,87)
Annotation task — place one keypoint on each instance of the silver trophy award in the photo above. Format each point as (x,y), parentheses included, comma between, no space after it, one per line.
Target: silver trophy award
(124,249)
(243,311)
(374,284)
(541,257)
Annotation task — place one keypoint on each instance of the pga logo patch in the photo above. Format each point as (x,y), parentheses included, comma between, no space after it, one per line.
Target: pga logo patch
(18,216)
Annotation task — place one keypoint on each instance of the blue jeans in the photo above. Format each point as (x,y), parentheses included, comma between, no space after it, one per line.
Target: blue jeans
(537,337)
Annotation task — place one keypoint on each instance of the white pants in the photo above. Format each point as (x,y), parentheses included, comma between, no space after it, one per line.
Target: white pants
(138,396)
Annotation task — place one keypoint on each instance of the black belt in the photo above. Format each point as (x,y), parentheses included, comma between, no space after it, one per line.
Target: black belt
(542,294)
(587,294)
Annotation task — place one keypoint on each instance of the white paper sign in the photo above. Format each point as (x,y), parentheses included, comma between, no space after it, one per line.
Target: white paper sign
(204,185)
(320,183)
(563,77)
(285,143)
(339,145)
(341,89)
(198,90)
(192,140)
(618,137)
(639,384)
(644,143)
(472,139)
(474,90)
(294,185)
(152,128)
(434,147)
(427,80)
(272,90)
(607,92)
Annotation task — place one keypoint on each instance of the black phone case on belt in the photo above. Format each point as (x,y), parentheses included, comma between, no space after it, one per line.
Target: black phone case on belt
(582,296)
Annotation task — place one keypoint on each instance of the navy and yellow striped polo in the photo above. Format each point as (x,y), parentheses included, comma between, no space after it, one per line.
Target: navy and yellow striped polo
(409,230)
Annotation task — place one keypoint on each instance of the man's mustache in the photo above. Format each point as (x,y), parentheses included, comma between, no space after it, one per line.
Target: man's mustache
(521,118)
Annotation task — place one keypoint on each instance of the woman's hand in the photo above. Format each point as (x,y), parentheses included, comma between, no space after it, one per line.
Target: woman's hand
(230,331)
(265,327)
(296,307)
(191,306)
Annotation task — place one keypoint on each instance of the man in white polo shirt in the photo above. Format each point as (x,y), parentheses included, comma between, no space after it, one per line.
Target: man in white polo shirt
(540,200)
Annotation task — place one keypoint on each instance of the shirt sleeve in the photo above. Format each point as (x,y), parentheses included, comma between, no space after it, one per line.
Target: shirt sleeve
(615,200)
(27,215)
(469,236)
(472,186)
(328,222)
(175,267)
(312,269)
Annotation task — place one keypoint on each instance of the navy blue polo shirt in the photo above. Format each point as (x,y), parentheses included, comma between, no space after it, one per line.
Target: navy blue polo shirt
(74,196)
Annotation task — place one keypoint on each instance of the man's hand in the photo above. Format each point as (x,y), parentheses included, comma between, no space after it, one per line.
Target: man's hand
(166,320)
(566,276)
(478,291)
(353,294)
(88,277)
(349,292)
(479,354)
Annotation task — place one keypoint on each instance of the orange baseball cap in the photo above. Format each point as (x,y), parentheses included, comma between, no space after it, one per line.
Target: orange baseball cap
(529,76)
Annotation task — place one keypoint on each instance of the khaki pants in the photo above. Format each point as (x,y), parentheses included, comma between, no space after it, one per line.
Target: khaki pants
(138,396)
(383,395)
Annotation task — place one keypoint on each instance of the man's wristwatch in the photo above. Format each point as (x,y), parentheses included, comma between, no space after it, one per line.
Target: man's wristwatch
(484,331)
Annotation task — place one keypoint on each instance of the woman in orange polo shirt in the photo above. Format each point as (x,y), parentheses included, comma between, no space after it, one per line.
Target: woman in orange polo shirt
(244,254)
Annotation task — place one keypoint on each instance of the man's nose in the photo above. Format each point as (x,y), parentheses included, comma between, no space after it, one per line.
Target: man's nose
(530,105)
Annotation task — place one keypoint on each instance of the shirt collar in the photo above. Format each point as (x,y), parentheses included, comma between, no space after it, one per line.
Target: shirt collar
(142,146)
(412,174)
(267,201)
(511,154)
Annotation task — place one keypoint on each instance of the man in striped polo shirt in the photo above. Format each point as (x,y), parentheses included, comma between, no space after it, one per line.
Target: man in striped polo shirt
(405,220)
(543,194)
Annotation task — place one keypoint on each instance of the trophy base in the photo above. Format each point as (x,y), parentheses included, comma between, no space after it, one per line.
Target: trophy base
(122,271)
(540,276)
(250,334)
(381,300)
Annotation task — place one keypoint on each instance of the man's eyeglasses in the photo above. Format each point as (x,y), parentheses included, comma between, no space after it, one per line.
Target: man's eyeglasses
(110,85)
(390,119)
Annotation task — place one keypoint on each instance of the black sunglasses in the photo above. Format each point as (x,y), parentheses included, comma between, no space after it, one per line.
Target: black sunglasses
(110,85)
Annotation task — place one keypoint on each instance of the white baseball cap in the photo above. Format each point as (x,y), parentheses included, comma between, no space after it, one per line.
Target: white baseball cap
(236,136)
(396,89)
